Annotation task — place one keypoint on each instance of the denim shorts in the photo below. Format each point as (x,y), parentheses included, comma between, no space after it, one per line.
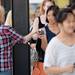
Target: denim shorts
(6,73)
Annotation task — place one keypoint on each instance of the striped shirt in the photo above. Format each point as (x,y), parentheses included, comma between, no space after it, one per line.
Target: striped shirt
(59,54)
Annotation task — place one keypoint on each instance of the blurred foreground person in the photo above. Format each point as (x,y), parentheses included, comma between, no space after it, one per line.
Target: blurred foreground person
(51,30)
(60,52)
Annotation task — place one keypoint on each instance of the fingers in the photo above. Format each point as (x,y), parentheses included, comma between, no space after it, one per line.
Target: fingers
(26,39)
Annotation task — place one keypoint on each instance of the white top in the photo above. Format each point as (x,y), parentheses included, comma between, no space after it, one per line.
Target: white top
(8,21)
(59,54)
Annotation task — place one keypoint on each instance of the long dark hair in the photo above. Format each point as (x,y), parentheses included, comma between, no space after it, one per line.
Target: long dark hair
(55,10)
(62,15)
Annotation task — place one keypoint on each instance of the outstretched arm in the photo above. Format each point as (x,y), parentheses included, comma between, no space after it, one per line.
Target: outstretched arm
(59,70)
(34,30)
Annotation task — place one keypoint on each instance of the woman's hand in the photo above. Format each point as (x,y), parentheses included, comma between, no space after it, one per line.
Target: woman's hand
(43,40)
(59,70)
(41,35)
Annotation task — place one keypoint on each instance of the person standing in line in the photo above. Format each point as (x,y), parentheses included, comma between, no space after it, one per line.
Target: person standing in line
(51,28)
(60,52)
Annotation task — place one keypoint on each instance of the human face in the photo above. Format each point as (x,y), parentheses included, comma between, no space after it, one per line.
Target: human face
(47,4)
(68,24)
(50,17)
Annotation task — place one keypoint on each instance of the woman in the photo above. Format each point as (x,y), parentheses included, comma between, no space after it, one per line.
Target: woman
(8,38)
(40,22)
(51,31)
(43,8)
(60,53)
(51,28)
(73,8)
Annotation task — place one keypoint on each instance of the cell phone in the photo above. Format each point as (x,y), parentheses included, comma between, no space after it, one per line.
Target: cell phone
(41,32)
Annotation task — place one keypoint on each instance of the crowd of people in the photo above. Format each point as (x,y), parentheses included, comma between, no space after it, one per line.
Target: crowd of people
(53,29)
(52,35)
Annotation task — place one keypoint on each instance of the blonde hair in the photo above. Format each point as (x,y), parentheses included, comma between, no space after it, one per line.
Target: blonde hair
(2,14)
(42,11)
(8,21)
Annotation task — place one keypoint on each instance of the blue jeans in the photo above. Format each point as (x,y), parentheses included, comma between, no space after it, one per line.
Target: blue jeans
(6,73)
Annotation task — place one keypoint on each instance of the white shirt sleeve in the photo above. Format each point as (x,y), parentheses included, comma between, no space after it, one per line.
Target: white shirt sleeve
(35,25)
(50,55)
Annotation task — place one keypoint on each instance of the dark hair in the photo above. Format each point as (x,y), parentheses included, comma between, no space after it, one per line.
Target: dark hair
(73,6)
(62,15)
(53,8)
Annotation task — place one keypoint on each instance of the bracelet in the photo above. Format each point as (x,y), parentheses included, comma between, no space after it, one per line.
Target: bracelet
(73,65)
